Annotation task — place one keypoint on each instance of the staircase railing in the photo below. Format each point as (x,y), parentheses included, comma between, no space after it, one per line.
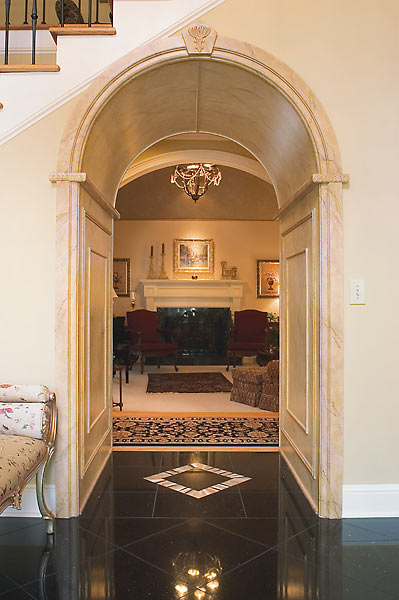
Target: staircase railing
(84,15)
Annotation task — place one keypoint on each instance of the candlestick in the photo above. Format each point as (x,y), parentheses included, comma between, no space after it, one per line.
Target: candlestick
(163,274)
(151,272)
(152,250)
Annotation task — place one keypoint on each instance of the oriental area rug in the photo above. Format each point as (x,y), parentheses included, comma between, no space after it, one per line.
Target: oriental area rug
(168,430)
(187,383)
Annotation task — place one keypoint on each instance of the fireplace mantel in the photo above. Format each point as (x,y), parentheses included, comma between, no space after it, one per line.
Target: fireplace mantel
(209,293)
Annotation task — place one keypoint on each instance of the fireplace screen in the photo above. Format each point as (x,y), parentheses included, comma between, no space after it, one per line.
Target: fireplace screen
(200,333)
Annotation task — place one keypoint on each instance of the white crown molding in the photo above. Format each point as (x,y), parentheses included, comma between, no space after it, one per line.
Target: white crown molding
(366,501)
(83,85)
(168,159)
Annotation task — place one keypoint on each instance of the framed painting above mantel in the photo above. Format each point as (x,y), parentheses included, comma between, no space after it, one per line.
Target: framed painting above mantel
(193,256)
(267,278)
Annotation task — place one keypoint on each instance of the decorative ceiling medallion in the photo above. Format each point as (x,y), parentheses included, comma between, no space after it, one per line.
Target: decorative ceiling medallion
(164,480)
(199,39)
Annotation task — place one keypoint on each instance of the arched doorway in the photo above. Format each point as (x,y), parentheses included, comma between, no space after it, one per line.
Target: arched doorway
(243,94)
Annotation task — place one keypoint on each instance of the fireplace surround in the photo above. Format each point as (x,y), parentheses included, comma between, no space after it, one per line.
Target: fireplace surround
(201,293)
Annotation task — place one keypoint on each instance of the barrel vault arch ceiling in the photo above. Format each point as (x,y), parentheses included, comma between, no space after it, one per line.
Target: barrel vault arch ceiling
(203,96)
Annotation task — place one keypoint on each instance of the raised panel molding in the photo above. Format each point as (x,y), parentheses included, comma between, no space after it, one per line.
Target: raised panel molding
(98,268)
(299,348)
(297,286)
(95,349)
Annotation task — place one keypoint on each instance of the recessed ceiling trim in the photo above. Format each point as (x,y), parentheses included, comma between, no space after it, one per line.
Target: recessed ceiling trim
(242,163)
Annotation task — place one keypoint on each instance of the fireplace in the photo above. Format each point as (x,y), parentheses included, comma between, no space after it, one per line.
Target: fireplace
(200,333)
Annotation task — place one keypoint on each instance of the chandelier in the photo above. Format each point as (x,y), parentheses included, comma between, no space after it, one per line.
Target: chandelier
(195,179)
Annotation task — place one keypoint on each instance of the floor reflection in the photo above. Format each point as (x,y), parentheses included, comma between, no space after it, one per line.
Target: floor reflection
(197,575)
(257,540)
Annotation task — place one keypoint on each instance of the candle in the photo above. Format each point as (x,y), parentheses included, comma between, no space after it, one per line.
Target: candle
(152,251)
(163,248)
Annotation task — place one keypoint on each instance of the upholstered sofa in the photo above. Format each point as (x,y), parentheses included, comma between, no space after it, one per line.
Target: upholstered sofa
(27,435)
(257,386)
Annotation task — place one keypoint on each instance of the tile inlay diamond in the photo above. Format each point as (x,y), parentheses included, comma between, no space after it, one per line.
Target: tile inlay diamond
(163,479)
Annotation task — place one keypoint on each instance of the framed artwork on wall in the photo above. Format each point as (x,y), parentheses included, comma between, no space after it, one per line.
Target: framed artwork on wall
(267,278)
(121,276)
(193,256)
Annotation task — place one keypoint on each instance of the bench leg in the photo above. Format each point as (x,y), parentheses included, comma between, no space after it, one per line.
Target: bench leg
(44,509)
(16,501)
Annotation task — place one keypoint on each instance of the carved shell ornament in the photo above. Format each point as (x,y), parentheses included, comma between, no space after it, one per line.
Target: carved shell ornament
(199,33)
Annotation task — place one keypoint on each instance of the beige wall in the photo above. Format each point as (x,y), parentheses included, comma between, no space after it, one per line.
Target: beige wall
(347,53)
(27,250)
(27,247)
(241,243)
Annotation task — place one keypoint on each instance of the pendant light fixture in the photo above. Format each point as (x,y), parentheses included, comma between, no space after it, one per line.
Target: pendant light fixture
(195,178)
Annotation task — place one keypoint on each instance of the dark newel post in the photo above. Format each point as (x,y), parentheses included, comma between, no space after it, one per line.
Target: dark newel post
(34,27)
(44,12)
(7,31)
(89,16)
(26,13)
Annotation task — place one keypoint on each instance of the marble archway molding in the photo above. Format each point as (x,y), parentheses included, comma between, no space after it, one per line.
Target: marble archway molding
(76,172)
(168,159)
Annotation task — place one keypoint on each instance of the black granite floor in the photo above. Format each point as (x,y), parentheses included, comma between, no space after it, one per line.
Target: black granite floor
(256,541)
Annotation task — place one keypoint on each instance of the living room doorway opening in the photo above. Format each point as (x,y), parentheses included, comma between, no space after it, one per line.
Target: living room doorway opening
(252,98)
(195,305)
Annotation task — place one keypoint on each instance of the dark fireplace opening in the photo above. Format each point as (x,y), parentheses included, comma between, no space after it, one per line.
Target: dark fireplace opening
(201,334)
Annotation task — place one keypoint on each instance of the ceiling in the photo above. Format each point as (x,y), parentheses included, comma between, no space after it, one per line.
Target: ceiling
(205,96)
(240,196)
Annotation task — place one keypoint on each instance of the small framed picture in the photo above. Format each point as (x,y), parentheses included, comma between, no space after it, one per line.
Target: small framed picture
(268,278)
(121,276)
(193,256)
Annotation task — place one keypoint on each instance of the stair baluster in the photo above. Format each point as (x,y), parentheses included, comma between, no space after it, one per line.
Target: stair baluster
(34,17)
(7,31)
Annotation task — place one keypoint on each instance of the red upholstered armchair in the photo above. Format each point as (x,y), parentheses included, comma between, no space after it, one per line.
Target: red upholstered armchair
(248,336)
(145,336)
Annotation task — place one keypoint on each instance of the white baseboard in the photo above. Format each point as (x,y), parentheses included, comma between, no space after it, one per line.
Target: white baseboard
(371,500)
(29,503)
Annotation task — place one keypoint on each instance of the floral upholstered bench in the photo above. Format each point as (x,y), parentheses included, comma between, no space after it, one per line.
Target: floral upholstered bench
(27,434)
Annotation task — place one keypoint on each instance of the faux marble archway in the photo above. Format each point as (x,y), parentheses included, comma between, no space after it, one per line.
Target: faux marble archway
(278,119)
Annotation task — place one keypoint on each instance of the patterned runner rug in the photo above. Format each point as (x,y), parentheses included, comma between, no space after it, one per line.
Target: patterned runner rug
(187,383)
(196,431)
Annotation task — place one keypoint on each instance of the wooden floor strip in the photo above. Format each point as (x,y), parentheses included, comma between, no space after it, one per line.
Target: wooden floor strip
(264,414)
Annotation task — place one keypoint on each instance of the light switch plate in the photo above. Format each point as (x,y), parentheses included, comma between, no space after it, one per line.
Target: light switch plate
(356,291)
